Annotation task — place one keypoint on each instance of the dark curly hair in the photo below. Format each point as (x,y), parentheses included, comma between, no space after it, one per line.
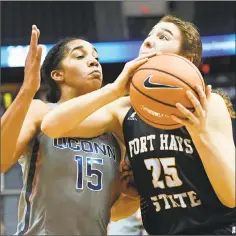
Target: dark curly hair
(52,62)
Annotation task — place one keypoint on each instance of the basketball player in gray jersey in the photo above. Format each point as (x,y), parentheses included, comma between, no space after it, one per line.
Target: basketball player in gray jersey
(67,185)
(70,185)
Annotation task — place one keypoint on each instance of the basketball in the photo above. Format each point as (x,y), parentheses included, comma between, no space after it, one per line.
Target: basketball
(159,84)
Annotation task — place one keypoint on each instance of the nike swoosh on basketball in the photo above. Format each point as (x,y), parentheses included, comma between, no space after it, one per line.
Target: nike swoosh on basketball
(148,84)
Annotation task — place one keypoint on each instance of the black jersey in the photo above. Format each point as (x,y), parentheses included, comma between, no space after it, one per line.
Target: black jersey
(176,194)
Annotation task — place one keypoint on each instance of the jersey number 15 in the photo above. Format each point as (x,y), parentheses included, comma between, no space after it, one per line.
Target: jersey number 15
(90,172)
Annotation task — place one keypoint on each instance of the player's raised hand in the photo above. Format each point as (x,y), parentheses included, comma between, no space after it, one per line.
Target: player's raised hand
(32,63)
(122,83)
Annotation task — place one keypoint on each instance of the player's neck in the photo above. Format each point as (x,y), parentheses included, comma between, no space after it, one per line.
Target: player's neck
(68,93)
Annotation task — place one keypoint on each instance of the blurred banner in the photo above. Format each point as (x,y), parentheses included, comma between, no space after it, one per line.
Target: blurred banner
(115,52)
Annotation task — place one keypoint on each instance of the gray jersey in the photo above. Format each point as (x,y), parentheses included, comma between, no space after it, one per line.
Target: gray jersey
(67,185)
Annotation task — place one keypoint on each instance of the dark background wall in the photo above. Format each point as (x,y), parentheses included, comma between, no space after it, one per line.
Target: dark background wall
(55,20)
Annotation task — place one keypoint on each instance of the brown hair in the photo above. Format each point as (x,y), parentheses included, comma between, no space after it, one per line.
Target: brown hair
(191,40)
(227,102)
(191,47)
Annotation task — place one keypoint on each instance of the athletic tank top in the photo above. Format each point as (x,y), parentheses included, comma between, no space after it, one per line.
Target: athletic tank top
(176,194)
(67,185)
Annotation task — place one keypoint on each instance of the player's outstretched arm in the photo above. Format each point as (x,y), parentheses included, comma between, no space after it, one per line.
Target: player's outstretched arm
(211,131)
(70,114)
(12,120)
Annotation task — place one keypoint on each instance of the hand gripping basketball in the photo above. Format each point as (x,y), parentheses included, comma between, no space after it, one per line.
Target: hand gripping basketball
(122,83)
(195,122)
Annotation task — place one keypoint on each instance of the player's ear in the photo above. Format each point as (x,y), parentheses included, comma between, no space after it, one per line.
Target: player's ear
(57,75)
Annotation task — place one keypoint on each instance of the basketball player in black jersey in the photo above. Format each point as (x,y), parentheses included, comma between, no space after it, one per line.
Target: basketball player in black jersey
(185,177)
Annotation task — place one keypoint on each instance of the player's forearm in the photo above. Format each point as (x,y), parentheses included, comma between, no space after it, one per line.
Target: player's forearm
(218,157)
(11,123)
(124,207)
(71,113)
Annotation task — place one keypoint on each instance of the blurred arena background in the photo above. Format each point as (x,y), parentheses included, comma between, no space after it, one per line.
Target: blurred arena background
(117,29)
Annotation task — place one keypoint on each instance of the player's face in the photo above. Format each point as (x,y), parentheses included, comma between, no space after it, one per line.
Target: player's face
(81,69)
(165,37)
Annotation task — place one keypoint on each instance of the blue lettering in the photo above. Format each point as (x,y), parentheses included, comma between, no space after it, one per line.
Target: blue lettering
(60,143)
(98,148)
(74,144)
(111,152)
(89,147)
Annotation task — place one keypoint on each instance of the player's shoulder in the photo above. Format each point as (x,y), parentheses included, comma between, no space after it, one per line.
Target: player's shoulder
(218,111)
(217,103)
(39,105)
(38,108)
(120,103)
(120,107)
(216,98)
(37,102)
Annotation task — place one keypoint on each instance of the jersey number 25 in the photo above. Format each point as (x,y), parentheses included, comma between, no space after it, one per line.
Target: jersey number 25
(170,172)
